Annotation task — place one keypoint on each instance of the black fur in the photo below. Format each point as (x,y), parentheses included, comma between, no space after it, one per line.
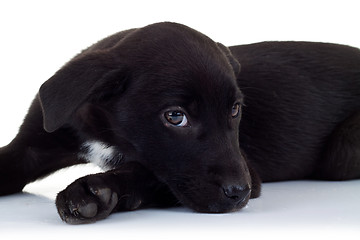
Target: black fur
(299,119)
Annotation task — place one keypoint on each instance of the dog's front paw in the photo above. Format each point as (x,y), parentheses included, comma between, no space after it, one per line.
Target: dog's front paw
(86,200)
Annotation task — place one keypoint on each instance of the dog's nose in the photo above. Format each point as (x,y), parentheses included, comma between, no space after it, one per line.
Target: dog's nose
(236,192)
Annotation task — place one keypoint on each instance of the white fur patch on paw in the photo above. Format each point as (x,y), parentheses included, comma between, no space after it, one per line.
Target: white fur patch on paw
(101,154)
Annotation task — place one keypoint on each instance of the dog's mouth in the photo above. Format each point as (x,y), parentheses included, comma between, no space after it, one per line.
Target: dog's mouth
(212,198)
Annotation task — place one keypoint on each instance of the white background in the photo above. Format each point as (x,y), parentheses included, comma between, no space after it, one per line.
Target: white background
(38,37)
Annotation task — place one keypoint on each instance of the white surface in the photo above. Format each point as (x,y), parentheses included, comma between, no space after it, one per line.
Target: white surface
(286,210)
(38,37)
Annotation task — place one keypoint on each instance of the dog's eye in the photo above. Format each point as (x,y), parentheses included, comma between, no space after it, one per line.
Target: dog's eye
(176,118)
(235,111)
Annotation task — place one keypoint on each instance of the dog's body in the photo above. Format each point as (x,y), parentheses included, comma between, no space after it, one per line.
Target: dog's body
(160,107)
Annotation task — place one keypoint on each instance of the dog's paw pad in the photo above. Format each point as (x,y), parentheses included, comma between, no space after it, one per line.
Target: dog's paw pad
(104,194)
(86,201)
(88,211)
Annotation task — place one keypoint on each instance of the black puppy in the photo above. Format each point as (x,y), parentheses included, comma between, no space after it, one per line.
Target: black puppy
(159,107)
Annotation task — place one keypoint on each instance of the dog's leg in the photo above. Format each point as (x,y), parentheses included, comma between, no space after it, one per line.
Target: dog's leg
(341,159)
(127,188)
(34,153)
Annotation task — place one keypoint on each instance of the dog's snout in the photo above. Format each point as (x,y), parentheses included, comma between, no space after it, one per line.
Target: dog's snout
(236,192)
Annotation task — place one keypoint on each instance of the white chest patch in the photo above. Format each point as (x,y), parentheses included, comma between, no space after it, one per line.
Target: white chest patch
(101,154)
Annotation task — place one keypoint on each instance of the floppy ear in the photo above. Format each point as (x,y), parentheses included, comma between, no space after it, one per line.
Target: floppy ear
(63,93)
(234,63)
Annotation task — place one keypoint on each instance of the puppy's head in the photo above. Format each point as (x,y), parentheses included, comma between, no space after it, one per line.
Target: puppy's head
(166,96)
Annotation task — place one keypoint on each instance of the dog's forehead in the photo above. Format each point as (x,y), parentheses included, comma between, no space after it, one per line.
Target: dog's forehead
(211,85)
(167,44)
(175,59)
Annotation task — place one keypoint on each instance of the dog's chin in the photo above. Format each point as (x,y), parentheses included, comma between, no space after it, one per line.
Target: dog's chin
(211,204)
(219,207)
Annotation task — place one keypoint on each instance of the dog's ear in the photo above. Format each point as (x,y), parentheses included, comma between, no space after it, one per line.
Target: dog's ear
(72,85)
(234,63)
